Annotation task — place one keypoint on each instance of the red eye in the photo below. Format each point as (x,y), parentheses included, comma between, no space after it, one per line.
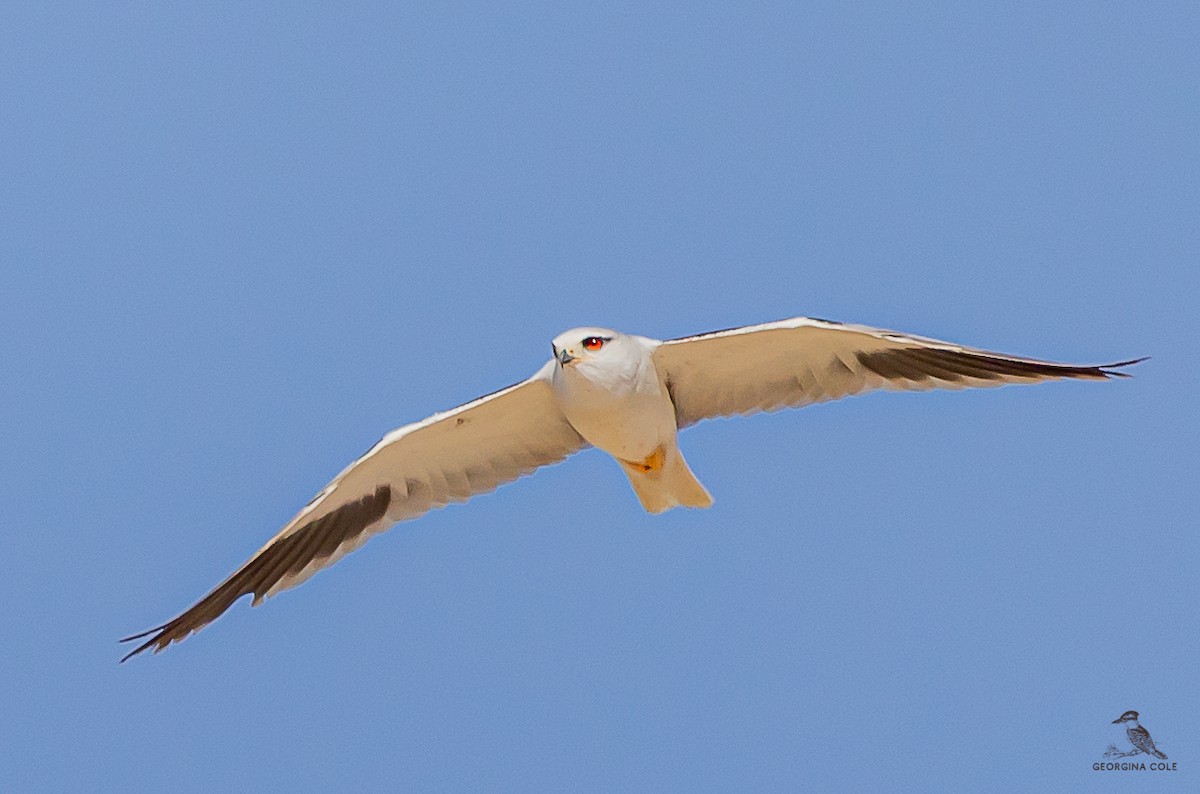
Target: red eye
(593,343)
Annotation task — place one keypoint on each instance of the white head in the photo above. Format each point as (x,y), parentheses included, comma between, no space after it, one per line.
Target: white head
(590,350)
(1129,716)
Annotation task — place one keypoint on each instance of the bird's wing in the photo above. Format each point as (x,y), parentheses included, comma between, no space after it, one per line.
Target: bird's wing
(448,457)
(1139,737)
(801,361)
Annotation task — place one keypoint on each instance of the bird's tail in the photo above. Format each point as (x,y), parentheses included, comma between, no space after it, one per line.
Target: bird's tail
(1157,753)
(663,481)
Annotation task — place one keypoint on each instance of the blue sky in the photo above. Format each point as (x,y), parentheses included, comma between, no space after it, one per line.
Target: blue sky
(242,242)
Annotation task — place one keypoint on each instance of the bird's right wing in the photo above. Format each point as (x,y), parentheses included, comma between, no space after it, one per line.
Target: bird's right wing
(801,361)
(448,457)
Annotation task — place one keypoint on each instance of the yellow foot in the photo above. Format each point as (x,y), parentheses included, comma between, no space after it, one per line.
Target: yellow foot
(653,462)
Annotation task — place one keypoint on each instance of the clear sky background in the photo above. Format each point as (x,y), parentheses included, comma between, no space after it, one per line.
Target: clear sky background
(240,243)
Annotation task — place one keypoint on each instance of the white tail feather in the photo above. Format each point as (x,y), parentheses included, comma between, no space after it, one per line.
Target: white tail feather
(670,485)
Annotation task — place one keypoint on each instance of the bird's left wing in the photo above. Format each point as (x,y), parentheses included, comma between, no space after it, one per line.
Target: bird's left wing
(448,457)
(801,361)
(1139,737)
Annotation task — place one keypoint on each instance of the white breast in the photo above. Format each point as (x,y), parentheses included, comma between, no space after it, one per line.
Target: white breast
(617,405)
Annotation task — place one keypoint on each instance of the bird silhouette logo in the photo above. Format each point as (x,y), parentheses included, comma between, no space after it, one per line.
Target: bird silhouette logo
(1138,737)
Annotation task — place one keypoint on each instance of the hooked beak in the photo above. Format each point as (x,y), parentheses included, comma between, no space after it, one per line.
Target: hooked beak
(565,358)
(1118,719)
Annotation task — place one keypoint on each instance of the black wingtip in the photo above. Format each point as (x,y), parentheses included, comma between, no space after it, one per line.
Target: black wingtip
(1109,369)
(157,632)
(145,633)
(134,653)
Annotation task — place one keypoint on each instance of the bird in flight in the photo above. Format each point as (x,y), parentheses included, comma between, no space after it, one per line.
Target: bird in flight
(624,394)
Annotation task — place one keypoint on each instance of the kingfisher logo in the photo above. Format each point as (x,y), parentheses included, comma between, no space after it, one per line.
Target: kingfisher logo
(1142,753)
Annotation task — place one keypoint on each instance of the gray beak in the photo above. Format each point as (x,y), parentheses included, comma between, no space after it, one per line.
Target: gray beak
(565,358)
(1118,719)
